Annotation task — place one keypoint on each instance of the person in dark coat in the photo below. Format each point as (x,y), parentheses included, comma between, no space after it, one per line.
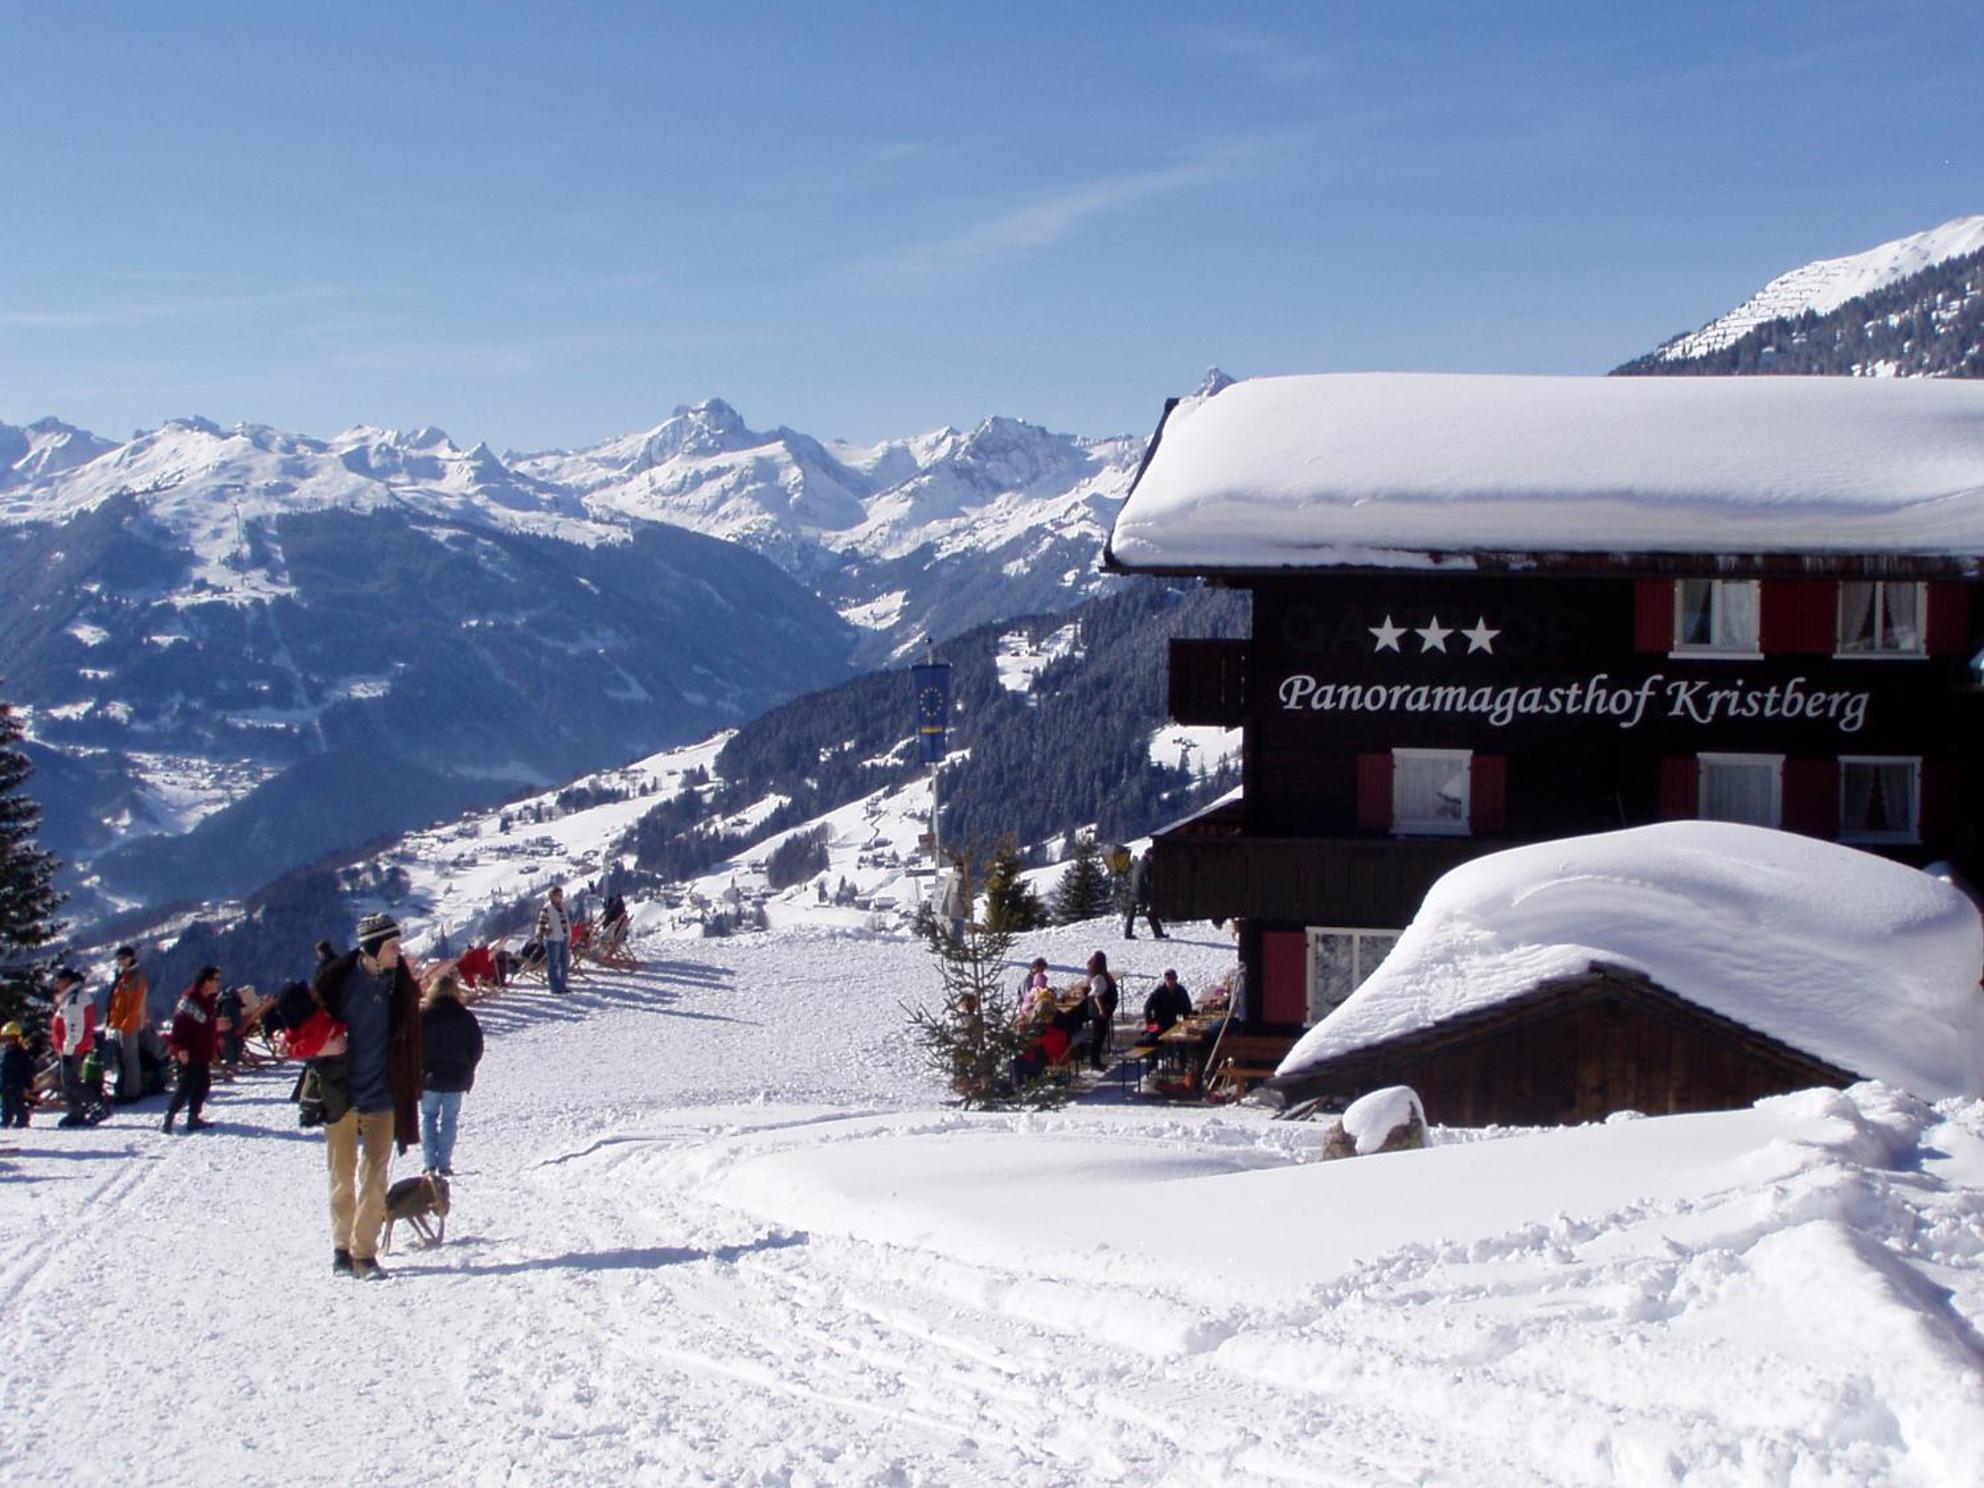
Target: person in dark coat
(372,1094)
(1167,1003)
(1140,900)
(451,1047)
(1102,998)
(16,1075)
(194,1037)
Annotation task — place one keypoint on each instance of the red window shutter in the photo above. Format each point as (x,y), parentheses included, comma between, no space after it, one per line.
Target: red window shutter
(1947,631)
(1680,789)
(1799,615)
(1811,797)
(1653,615)
(1374,792)
(1488,793)
(1284,976)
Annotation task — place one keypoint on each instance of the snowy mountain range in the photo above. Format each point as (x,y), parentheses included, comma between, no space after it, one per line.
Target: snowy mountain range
(1911,307)
(216,634)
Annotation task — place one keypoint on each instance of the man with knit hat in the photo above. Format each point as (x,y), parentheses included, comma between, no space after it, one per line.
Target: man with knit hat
(128,996)
(372,1092)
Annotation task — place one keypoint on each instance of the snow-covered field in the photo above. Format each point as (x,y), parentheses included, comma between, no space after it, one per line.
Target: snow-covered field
(715,1225)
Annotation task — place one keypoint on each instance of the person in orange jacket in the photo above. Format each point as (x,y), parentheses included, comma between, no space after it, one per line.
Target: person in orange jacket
(129,994)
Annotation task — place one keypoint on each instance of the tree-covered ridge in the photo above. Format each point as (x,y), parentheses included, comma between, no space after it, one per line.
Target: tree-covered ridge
(1072,751)
(1930,324)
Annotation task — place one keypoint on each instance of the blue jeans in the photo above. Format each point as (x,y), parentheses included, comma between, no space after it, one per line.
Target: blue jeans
(557,963)
(439,1111)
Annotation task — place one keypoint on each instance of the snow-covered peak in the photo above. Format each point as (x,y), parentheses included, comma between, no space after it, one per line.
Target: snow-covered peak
(45,448)
(1214,381)
(1824,286)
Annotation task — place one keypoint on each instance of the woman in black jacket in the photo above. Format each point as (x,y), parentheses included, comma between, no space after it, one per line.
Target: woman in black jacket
(451,1047)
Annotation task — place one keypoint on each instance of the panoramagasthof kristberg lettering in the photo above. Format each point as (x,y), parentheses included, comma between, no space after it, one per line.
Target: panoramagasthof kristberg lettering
(1597,696)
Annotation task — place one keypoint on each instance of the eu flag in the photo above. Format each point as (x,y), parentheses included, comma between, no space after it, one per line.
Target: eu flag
(932,682)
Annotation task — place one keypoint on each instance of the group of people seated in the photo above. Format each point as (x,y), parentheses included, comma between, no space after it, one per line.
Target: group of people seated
(1080,1022)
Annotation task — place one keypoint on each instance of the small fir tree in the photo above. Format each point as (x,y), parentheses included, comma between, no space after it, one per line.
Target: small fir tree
(971,1038)
(28,898)
(1085,892)
(1010,901)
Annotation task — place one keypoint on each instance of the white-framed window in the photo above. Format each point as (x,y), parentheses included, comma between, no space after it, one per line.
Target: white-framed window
(1716,617)
(1339,962)
(1880,798)
(1879,618)
(1745,788)
(1430,791)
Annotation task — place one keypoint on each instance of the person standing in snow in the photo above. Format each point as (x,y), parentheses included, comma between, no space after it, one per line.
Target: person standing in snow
(1102,997)
(195,1033)
(74,1032)
(372,1096)
(451,1047)
(554,933)
(129,993)
(1140,899)
(16,1075)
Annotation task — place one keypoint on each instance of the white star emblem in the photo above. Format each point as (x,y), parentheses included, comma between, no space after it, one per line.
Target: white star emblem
(1387,634)
(1433,637)
(1481,638)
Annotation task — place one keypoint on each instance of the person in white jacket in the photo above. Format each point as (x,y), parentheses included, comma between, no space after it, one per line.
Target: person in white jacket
(74,1031)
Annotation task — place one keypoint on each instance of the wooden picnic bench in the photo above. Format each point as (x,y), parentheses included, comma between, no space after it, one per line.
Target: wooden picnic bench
(1244,1060)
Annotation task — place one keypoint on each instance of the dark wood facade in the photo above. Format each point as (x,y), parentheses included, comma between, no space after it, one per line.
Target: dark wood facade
(1574,1050)
(1565,704)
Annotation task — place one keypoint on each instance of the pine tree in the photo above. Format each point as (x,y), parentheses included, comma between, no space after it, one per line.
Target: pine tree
(1084,892)
(1010,901)
(28,898)
(972,1039)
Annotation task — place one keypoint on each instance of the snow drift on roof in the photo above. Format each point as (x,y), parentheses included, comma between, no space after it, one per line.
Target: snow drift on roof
(1385,468)
(1869,965)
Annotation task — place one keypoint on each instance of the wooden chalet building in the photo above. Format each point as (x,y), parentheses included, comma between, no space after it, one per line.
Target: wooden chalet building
(1497,610)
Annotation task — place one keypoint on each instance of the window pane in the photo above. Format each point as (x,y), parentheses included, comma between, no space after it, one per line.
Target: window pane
(1371,952)
(1695,605)
(1740,793)
(1334,975)
(1856,617)
(1430,792)
(1738,604)
(1877,798)
(1900,627)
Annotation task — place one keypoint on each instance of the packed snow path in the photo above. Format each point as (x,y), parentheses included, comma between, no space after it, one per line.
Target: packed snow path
(714,1225)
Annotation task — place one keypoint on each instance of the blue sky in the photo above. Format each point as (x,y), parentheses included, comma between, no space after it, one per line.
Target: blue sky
(546,225)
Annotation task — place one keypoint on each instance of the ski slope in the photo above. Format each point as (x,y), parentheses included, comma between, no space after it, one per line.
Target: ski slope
(715,1225)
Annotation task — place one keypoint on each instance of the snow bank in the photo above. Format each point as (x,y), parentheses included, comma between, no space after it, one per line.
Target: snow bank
(1867,964)
(1384,468)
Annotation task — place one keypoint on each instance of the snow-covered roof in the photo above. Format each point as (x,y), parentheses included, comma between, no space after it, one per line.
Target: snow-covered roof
(1867,964)
(1385,469)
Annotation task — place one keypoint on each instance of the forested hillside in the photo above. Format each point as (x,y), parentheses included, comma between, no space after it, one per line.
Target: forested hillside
(1070,752)
(1930,324)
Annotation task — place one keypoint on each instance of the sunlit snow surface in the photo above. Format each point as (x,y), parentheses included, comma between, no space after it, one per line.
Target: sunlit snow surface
(714,1225)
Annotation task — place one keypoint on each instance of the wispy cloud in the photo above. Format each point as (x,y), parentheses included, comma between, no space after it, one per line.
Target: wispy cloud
(1053,216)
(1269,58)
(130,314)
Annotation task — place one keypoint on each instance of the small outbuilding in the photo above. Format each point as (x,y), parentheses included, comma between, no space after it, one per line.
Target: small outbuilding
(1680,967)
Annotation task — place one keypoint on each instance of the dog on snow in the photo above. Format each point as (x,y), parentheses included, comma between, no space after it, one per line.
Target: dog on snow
(423,1203)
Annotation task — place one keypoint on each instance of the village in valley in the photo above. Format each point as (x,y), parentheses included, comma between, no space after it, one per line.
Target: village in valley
(1411,926)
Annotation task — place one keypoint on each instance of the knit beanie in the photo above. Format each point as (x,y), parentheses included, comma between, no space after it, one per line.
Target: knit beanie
(374,931)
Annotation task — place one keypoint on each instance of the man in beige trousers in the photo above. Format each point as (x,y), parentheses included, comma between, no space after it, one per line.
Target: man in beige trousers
(372,1092)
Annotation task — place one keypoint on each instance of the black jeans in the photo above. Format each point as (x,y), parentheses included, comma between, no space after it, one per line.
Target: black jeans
(191,1092)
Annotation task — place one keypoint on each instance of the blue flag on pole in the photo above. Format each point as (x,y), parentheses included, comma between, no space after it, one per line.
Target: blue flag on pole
(932,682)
